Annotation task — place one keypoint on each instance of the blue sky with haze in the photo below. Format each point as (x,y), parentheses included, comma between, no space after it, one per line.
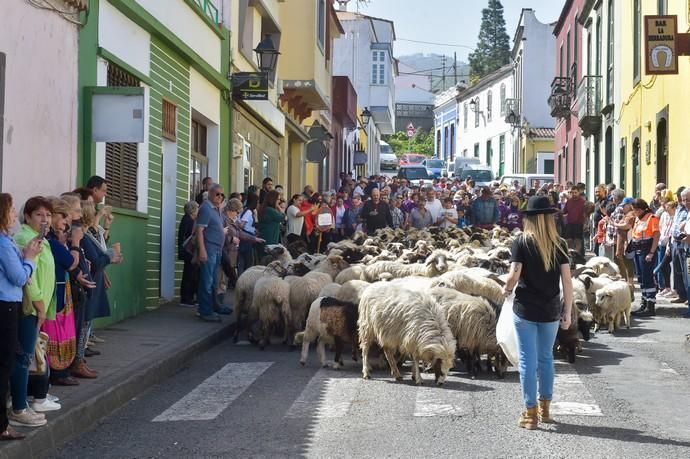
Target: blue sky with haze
(449,21)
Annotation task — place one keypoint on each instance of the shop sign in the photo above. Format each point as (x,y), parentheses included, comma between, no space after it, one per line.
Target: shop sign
(250,85)
(661,45)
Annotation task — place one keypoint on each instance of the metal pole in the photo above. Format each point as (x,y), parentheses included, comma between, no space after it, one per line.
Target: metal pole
(455,67)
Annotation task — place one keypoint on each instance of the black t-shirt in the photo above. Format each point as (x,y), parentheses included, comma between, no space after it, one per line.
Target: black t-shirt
(537,296)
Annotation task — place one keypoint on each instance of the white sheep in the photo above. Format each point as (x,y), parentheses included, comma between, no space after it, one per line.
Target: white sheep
(405,321)
(244,292)
(475,285)
(271,298)
(351,291)
(331,265)
(612,304)
(354,272)
(602,265)
(473,322)
(434,265)
(303,291)
(330,290)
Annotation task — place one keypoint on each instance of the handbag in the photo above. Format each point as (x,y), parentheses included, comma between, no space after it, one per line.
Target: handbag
(630,250)
(506,336)
(38,363)
(62,341)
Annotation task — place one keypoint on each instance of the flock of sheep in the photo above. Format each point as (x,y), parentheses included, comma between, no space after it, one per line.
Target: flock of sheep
(424,295)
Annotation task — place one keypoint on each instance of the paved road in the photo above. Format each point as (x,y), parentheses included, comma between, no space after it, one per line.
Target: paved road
(627,396)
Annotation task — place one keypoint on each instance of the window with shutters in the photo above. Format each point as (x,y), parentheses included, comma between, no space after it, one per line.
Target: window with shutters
(121,158)
(199,159)
(169,128)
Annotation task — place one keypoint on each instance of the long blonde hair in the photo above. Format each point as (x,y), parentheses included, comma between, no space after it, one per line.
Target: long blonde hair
(541,229)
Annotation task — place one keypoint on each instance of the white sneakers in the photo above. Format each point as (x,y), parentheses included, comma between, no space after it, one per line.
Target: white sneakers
(27,418)
(45,405)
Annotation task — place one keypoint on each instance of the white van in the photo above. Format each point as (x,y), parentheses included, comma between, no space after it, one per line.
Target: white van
(481,174)
(450,169)
(529,181)
(463,163)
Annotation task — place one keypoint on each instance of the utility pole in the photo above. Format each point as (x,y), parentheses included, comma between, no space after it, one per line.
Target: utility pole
(443,72)
(455,67)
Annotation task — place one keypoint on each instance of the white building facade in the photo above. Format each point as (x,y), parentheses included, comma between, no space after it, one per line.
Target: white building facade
(483,131)
(365,55)
(446,124)
(534,61)
(38,134)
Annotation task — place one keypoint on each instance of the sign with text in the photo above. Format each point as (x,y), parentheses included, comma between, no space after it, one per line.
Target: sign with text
(250,85)
(661,45)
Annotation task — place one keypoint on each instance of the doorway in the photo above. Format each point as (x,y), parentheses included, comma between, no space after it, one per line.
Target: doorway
(636,168)
(662,151)
(168,219)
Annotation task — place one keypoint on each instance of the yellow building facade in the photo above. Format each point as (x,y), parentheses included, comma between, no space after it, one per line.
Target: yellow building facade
(654,111)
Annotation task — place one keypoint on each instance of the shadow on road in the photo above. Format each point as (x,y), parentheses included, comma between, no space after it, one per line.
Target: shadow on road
(615,433)
(597,355)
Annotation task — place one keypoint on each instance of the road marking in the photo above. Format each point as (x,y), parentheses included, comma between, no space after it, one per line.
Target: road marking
(631,340)
(210,398)
(666,369)
(328,394)
(439,401)
(570,396)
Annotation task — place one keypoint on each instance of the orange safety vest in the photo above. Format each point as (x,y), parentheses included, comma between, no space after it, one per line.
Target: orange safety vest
(645,229)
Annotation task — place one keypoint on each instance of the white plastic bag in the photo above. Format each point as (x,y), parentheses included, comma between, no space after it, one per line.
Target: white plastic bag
(505,331)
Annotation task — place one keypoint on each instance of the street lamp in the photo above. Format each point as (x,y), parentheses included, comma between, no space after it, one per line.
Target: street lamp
(473,104)
(266,55)
(366,116)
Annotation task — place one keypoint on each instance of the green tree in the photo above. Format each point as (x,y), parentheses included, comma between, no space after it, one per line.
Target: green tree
(422,142)
(493,46)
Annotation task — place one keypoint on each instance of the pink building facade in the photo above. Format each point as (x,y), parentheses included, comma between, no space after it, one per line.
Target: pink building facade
(563,98)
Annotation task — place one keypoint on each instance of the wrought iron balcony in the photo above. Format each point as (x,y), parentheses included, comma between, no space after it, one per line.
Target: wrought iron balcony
(561,97)
(589,102)
(512,112)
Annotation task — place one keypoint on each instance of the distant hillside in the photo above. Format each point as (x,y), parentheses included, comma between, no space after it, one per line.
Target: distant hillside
(433,63)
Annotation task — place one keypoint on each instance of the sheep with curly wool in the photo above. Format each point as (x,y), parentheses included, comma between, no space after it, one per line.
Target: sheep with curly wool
(271,298)
(612,303)
(303,291)
(476,285)
(331,265)
(244,293)
(405,321)
(351,291)
(473,322)
(329,320)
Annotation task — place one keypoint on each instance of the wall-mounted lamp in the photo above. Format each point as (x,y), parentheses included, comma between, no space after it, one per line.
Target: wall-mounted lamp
(366,116)
(474,104)
(266,55)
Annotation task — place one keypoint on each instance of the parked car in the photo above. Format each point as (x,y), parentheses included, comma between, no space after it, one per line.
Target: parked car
(482,175)
(388,161)
(462,163)
(435,167)
(414,172)
(411,158)
(527,180)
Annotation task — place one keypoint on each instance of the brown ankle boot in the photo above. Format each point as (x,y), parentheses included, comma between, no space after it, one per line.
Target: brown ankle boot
(80,370)
(544,413)
(529,418)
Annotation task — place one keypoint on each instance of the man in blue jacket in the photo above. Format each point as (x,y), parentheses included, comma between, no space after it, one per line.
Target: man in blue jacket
(485,210)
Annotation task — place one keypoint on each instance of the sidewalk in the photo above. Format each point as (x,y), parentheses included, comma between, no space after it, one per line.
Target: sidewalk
(138,353)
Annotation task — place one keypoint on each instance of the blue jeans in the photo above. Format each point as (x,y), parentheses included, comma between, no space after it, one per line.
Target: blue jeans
(208,280)
(27,333)
(645,276)
(662,270)
(680,272)
(535,355)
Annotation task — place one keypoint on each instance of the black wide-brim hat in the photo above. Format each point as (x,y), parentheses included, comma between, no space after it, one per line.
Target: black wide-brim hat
(539,205)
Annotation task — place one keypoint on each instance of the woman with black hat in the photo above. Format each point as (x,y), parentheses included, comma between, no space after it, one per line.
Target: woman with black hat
(539,263)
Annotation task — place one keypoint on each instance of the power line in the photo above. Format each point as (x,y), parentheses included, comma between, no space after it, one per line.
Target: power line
(435,43)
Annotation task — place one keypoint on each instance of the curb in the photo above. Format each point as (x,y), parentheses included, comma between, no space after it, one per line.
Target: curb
(84,416)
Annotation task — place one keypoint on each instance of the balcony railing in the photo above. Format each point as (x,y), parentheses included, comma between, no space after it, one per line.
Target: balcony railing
(209,9)
(512,112)
(589,102)
(561,97)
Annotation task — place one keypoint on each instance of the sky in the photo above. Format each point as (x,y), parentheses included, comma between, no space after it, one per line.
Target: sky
(449,21)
